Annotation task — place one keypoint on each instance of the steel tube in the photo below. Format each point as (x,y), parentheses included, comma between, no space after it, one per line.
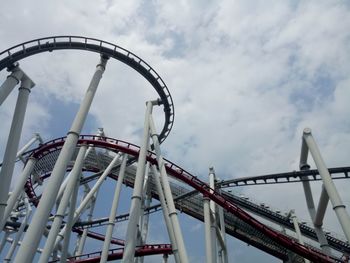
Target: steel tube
(34,233)
(130,242)
(332,192)
(208,233)
(165,210)
(17,191)
(223,235)
(309,199)
(110,226)
(168,194)
(212,214)
(13,142)
(60,214)
(88,197)
(322,207)
(12,80)
(20,231)
(82,238)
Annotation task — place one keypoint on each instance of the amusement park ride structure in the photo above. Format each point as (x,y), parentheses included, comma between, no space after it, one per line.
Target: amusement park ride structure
(41,217)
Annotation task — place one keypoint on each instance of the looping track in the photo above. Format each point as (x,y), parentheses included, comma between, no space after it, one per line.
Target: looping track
(187,178)
(48,44)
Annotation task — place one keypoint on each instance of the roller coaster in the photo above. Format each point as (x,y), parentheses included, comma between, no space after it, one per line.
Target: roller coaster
(41,217)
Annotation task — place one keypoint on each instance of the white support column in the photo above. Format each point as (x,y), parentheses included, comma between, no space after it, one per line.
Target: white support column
(303,165)
(208,235)
(81,241)
(223,235)
(36,137)
(13,141)
(17,191)
(322,207)
(336,201)
(12,80)
(167,221)
(111,220)
(130,242)
(20,231)
(168,195)
(60,214)
(69,224)
(213,214)
(88,197)
(35,230)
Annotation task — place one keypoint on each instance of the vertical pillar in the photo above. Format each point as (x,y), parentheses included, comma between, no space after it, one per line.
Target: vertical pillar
(212,214)
(130,242)
(60,214)
(36,228)
(208,235)
(88,198)
(168,224)
(113,213)
(223,235)
(13,142)
(81,241)
(168,195)
(18,189)
(303,165)
(332,192)
(20,231)
(12,80)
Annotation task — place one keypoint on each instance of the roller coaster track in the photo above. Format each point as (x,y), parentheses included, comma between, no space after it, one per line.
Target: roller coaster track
(246,227)
(290,177)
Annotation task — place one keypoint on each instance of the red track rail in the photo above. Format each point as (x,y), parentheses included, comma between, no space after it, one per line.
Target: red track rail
(186,177)
(115,254)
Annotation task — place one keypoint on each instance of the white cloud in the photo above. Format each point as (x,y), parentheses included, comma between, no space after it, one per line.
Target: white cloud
(246,78)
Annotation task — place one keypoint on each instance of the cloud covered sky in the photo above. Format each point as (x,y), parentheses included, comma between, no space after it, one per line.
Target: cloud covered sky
(246,78)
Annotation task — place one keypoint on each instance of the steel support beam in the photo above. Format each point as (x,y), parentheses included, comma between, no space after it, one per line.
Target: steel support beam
(18,190)
(11,81)
(34,233)
(322,207)
(113,212)
(13,141)
(332,192)
(167,193)
(131,232)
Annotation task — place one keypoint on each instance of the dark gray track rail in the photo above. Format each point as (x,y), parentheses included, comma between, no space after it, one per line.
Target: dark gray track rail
(10,56)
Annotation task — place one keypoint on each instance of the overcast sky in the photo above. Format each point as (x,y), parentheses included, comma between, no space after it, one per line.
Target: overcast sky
(246,78)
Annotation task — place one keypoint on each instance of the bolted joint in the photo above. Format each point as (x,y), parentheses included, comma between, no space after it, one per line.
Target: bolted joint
(211,170)
(307,131)
(304,166)
(27,83)
(156,102)
(103,62)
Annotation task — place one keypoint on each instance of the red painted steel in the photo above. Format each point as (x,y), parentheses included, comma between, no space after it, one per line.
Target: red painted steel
(186,177)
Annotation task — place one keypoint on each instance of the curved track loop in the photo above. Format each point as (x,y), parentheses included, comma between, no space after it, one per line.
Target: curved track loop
(48,44)
(184,176)
(115,254)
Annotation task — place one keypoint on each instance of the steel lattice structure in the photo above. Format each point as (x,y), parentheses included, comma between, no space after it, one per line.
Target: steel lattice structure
(42,214)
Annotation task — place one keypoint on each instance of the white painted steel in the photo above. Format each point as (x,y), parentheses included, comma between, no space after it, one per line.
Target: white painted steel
(168,195)
(322,207)
(15,241)
(333,194)
(13,142)
(88,197)
(165,210)
(18,190)
(208,234)
(11,81)
(113,213)
(35,230)
(131,232)
(60,214)
(213,226)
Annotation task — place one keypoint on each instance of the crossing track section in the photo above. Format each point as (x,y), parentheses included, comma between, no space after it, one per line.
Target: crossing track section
(187,178)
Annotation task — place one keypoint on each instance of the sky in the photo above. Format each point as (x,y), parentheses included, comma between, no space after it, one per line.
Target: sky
(246,78)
